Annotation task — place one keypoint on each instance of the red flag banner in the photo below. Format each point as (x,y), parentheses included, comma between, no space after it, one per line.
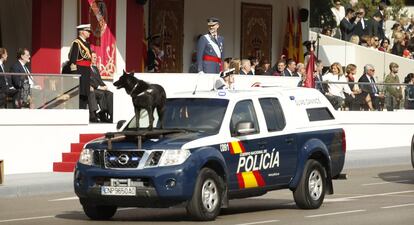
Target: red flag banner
(310,70)
(101,14)
(299,47)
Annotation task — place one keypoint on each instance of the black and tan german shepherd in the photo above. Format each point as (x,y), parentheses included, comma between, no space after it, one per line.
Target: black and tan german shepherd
(144,96)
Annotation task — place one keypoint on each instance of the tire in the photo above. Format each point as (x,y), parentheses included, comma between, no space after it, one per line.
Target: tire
(206,207)
(96,212)
(310,192)
(412,151)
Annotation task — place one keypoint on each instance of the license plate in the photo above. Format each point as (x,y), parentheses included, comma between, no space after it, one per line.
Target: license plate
(118,191)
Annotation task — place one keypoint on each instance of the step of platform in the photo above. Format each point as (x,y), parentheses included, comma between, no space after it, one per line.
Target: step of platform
(64,166)
(76,147)
(70,157)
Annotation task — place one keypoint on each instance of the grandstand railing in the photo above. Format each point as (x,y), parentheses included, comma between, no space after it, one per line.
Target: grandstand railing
(50,91)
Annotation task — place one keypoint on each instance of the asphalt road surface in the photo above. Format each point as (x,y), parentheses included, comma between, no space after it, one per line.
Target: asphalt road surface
(381,193)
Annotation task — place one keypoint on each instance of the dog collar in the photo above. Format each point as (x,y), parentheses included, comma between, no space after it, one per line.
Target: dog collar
(133,89)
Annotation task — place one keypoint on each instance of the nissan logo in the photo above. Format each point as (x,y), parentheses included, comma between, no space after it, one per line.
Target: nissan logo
(123,159)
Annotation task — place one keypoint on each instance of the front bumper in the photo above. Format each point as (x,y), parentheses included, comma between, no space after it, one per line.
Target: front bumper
(155,191)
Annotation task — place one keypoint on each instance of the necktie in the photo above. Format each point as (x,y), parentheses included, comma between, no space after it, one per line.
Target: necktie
(374,87)
(5,78)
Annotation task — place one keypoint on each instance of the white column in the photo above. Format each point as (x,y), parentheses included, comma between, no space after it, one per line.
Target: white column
(69,23)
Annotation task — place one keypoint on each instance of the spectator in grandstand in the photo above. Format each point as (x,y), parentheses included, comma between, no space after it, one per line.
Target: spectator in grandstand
(264,63)
(411,25)
(226,63)
(246,67)
(338,12)
(253,62)
(398,47)
(409,91)
(365,41)
(382,7)
(300,70)
(361,100)
(362,25)
(348,24)
(391,35)
(374,28)
(370,87)
(393,93)
(23,83)
(6,87)
(278,69)
(290,69)
(374,42)
(327,30)
(236,64)
(385,45)
(354,39)
(259,70)
(318,76)
(99,91)
(336,92)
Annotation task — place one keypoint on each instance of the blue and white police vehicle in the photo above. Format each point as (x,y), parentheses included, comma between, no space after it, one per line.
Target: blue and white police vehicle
(216,146)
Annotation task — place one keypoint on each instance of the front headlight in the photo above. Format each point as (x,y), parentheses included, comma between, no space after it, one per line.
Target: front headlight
(86,157)
(174,157)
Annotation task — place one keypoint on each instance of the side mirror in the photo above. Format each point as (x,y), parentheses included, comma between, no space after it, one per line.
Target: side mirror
(120,124)
(245,128)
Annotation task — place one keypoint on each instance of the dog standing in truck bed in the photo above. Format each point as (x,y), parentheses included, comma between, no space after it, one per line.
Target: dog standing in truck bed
(144,96)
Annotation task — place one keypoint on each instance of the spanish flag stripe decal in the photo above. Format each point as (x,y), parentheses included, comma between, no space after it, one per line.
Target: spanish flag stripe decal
(259,178)
(240,180)
(249,180)
(236,147)
(241,146)
(231,148)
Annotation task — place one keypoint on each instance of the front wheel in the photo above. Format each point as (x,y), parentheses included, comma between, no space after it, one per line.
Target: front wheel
(310,192)
(205,203)
(96,212)
(412,151)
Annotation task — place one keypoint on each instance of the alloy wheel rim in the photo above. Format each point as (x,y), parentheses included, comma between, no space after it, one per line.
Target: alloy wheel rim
(209,195)
(315,185)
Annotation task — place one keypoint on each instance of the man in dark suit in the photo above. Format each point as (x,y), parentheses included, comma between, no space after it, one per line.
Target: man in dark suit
(103,96)
(348,24)
(290,69)
(361,28)
(22,83)
(6,87)
(210,49)
(80,62)
(371,88)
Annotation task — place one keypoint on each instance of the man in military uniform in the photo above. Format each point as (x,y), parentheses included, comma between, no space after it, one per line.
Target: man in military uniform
(80,62)
(210,49)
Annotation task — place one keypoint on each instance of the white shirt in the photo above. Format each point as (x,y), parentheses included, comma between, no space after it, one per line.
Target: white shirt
(339,14)
(337,89)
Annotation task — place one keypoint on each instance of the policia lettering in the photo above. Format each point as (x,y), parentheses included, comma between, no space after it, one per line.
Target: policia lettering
(258,160)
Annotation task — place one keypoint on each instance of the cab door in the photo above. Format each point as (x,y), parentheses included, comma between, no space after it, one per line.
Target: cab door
(245,146)
(279,142)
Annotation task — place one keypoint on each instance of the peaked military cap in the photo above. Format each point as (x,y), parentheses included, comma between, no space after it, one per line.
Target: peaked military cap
(212,21)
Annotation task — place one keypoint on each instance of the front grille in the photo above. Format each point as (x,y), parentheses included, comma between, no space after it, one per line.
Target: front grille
(122,159)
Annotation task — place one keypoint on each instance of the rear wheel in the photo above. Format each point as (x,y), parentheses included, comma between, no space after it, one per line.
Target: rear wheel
(96,212)
(310,192)
(412,151)
(206,201)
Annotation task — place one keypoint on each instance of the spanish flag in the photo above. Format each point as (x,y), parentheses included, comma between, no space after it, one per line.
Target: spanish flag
(291,47)
(299,47)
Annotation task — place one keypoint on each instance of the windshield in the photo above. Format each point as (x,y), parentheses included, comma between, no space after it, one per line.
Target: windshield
(195,114)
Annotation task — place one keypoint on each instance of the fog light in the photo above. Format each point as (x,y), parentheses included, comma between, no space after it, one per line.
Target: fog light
(170,183)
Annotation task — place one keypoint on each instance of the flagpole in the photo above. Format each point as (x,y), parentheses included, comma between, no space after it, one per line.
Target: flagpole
(317,45)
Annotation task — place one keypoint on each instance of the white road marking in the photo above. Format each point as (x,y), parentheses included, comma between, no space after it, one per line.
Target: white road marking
(337,200)
(397,206)
(381,194)
(28,218)
(259,222)
(386,182)
(336,213)
(64,199)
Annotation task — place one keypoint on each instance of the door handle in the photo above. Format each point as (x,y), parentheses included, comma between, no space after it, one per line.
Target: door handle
(289,140)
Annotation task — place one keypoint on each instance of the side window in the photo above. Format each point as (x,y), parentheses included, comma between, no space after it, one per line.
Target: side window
(319,114)
(243,112)
(272,110)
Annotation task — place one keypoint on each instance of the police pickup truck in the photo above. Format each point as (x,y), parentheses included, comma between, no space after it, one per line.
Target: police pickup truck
(215,146)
